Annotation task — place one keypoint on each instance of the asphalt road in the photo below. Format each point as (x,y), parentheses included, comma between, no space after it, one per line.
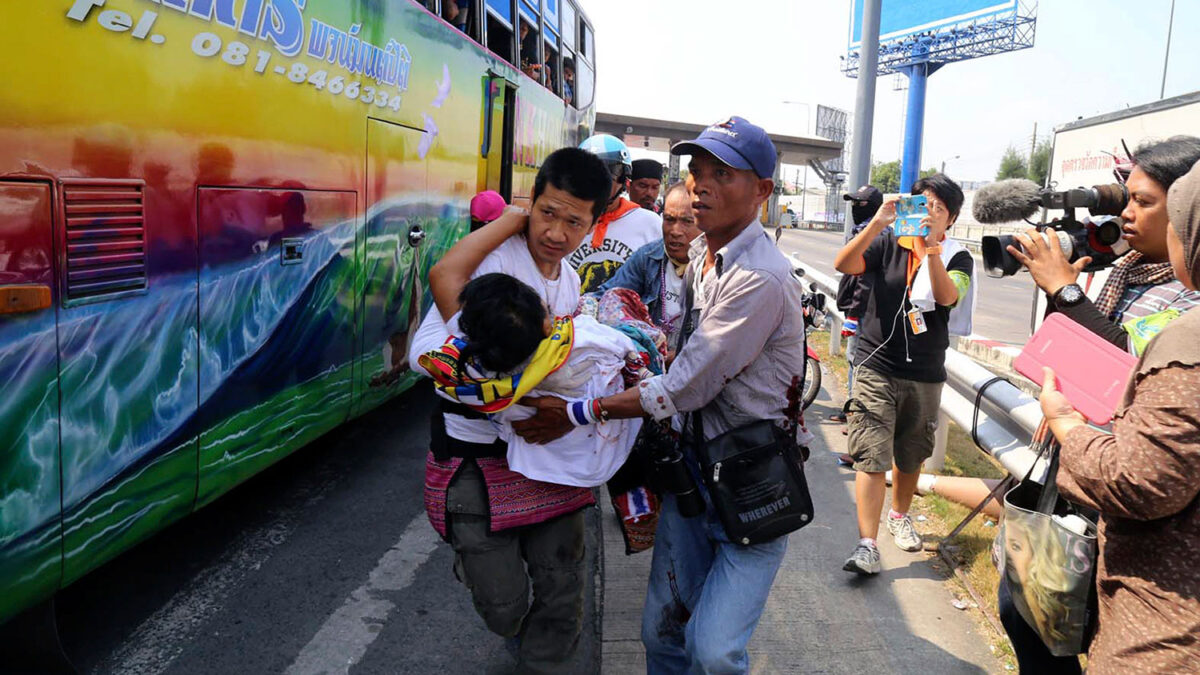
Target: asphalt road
(323,563)
(1002,307)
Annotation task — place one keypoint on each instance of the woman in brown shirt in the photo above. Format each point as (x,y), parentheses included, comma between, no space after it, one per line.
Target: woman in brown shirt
(1144,479)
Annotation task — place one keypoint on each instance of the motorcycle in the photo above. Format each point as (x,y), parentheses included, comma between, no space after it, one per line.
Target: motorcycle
(812,303)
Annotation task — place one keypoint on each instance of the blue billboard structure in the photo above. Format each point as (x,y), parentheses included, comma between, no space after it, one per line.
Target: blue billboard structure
(917,37)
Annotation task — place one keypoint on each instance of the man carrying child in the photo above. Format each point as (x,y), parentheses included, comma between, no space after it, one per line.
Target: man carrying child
(508,531)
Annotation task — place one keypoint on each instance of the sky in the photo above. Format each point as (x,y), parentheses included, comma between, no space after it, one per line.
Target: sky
(704,60)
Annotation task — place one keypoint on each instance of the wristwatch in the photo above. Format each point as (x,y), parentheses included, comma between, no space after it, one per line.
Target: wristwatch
(1069,296)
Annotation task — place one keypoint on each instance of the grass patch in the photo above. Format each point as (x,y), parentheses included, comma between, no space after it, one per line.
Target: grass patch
(972,548)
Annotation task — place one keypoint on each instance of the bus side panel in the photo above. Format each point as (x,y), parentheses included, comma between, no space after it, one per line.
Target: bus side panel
(276,325)
(128,361)
(30,525)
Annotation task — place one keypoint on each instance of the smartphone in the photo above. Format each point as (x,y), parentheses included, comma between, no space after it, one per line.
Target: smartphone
(909,213)
(1089,370)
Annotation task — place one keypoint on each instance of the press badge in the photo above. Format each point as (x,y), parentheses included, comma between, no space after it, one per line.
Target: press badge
(917,320)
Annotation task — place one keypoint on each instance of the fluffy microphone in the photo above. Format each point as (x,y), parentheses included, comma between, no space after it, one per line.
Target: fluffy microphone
(1006,201)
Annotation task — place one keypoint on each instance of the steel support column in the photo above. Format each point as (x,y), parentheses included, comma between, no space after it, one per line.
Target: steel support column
(914,123)
(864,102)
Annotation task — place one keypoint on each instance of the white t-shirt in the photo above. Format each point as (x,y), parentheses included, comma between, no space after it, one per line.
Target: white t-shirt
(624,236)
(511,258)
(672,299)
(586,456)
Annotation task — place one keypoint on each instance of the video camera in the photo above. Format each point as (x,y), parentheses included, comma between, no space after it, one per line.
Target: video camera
(1018,199)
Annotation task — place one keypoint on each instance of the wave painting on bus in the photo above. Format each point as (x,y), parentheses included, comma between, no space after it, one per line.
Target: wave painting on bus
(216,223)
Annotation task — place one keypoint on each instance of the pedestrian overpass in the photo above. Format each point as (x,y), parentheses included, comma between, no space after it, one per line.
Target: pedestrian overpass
(660,135)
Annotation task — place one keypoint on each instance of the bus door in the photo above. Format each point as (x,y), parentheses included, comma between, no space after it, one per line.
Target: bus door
(499,127)
(277,274)
(393,259)
(30,507)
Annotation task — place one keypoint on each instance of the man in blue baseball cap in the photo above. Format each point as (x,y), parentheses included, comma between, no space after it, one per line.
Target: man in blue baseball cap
(740,361)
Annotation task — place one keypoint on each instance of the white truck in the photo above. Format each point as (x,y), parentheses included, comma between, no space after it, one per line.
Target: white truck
(1085,152)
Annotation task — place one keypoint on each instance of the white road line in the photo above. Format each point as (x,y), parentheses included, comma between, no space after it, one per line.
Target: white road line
(346,635)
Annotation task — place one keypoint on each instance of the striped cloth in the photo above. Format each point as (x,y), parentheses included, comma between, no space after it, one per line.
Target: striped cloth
(513,499)
(1147,299)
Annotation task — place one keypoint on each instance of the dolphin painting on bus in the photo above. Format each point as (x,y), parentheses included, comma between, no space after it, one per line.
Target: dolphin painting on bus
(216,218)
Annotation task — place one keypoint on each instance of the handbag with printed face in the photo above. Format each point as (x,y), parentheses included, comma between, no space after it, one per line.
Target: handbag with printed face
(1048,552)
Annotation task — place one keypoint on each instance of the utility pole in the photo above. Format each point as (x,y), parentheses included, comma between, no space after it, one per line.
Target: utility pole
(864,101)
(1167,57)
(1032,145)
(804,196)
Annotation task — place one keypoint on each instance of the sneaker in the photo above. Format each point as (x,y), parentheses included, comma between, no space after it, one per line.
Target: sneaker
(903,533)
(864,560)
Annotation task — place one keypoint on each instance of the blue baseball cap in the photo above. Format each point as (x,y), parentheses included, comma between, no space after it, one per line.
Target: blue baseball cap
(736,142)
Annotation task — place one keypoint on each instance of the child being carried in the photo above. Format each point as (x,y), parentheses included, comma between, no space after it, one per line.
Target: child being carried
(511,347)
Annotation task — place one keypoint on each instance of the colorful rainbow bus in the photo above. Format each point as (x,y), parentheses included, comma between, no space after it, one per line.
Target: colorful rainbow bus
(215,220)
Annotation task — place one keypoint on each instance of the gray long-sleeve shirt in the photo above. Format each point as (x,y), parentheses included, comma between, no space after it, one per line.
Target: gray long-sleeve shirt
(747,352)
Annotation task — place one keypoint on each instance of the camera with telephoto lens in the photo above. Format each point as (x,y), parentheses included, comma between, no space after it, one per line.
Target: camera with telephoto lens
(1099,237)
(671,471)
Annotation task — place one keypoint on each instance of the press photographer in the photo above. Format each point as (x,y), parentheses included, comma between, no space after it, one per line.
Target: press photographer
(1141,295)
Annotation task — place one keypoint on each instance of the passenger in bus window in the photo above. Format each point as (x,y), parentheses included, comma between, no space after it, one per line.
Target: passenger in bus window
(551,80)
(529,59)
(456,12)
(568,90)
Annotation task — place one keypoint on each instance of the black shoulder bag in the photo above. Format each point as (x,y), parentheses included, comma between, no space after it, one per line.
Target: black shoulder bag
(754,473)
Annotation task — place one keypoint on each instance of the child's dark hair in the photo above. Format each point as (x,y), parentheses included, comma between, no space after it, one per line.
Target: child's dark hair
(946,190)
(580,174)
(503,321)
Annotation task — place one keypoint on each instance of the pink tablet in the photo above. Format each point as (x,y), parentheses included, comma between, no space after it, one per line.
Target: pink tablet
(1091,371)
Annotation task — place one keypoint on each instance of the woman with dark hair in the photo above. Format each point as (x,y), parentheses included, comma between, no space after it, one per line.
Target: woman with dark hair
(1141,295)
(914,285)
(1142,480)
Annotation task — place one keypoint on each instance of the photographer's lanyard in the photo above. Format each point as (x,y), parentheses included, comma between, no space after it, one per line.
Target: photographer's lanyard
(916,255)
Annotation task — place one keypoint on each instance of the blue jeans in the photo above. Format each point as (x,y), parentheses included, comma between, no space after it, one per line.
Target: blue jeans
(705,596)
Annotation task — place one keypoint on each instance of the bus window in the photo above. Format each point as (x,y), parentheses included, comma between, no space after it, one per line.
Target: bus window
(568,25)
(585,83)
(531,63)
(568,77)
(458,14)
(499,37)
(551,69)
(586,48)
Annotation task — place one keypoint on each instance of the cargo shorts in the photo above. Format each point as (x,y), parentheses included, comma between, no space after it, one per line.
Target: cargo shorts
(892,421)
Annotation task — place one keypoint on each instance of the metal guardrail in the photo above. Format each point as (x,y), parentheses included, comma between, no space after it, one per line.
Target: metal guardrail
(1007,418)
(827,286)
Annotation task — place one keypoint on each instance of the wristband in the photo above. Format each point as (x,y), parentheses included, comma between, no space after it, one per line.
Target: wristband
(601,415)
(578,412)
(933,250)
